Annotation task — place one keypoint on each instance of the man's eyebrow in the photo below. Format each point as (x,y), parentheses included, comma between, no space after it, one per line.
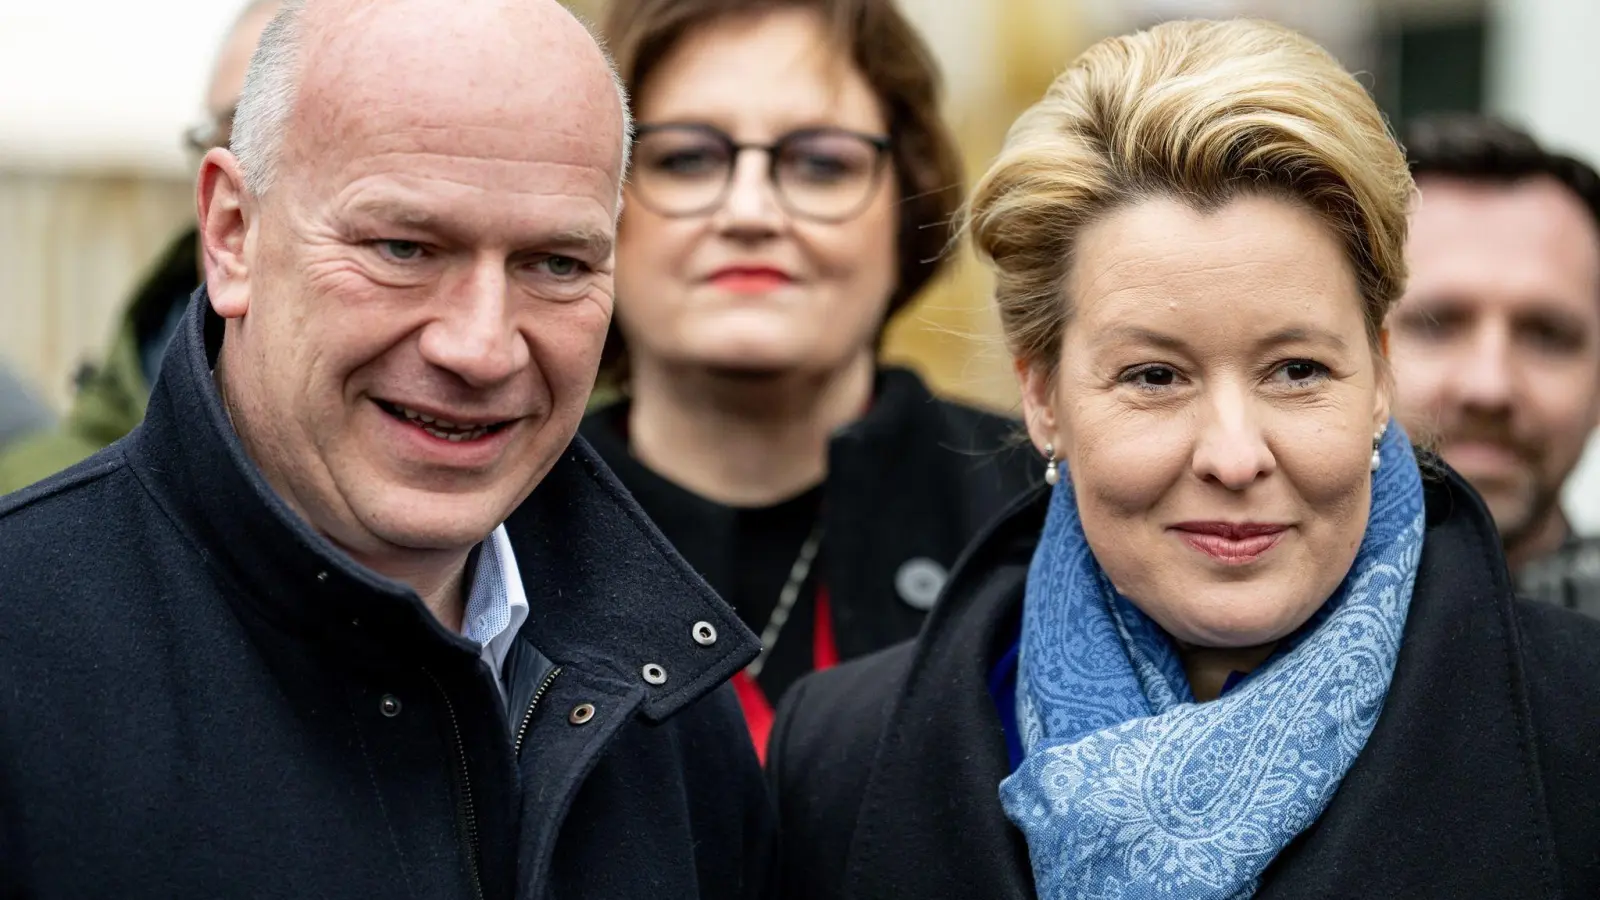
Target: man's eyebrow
(587,241)
(595,243)
(396,213)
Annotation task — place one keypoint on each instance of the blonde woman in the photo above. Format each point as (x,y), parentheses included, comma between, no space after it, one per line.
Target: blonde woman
(1244,646)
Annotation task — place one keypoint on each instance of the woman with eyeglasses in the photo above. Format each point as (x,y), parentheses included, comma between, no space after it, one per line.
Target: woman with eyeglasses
(792,188)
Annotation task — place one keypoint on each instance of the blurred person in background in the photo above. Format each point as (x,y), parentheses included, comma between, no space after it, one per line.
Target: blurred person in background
(792,189)
(111,395)
(1245,647)
(21,410)
(351,613)
(1496,342)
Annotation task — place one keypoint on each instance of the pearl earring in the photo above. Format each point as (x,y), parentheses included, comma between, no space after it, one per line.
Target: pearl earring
(1377,458)
(1052,473)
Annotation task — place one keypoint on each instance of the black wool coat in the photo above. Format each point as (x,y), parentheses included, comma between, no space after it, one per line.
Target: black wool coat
(1481,778)
(910,483)
(202,698)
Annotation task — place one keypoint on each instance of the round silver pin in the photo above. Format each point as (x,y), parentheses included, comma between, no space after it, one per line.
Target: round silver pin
(919,582)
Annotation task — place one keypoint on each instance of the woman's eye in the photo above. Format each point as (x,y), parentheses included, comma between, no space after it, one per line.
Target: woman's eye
(1151,377)
(399,251)
(688,163)
(1302,371)
(819,167)
(1158,376)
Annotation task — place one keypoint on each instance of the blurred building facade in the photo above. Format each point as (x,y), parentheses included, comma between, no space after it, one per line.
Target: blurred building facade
(93,181)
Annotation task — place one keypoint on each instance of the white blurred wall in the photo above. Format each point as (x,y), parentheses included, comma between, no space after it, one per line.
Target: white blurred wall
(104,85)
(1545,74)
(93,178)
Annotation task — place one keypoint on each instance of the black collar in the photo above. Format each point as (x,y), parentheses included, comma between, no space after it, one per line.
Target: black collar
(605,591)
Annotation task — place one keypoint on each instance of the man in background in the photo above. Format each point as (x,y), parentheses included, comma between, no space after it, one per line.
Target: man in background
(112,395)
(1496,344)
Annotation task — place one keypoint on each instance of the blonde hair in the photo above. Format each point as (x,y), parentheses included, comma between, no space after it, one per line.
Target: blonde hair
(1198,111)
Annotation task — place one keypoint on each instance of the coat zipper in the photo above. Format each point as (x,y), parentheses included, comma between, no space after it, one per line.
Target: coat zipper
(527,717)
(466,815)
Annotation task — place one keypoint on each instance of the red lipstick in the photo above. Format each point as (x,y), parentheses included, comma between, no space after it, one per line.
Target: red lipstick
(750,279)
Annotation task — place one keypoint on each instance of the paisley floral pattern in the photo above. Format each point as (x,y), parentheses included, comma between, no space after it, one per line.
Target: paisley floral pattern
(1131,790)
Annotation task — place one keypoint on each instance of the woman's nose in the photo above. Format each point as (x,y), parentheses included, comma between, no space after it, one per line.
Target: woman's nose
(1231,449)
(751,208)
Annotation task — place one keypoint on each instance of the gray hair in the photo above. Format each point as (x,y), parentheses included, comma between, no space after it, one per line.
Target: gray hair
(269,94)
(267,98)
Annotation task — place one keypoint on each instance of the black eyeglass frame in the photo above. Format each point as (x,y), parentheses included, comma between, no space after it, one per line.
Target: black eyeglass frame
(881,146)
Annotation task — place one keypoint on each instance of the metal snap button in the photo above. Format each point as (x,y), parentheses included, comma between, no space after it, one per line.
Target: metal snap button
(654,674)
(705,634)
(581,714)
(389,705)
(322,577)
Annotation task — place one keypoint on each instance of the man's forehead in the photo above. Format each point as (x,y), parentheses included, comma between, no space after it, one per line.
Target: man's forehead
(458,94)
(524,50)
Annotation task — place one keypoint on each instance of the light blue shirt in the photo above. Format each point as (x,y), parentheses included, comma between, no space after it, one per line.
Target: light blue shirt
(497,604)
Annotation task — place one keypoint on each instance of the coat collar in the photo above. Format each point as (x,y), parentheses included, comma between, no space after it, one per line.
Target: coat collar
(1445,800)
(944,740)
(605,590)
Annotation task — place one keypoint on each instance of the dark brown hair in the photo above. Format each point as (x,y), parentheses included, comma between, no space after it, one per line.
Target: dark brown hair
(897,66)
(1482,148)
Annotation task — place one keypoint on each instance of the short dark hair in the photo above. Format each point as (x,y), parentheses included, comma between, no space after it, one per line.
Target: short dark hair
(899,68)
(1483,148)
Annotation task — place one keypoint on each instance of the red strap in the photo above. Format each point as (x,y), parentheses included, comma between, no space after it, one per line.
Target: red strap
(758,711)
(824,652)
(758,714)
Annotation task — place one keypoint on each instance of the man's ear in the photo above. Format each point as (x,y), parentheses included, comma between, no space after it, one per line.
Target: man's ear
(227,215)
(1038,390)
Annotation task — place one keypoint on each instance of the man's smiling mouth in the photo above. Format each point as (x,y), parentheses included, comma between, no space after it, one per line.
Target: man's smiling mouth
(443,429)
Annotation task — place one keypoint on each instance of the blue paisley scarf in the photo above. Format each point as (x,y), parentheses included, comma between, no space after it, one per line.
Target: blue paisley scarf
(1130,789)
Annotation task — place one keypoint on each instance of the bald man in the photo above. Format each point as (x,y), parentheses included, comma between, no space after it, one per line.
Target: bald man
(112,393)
(351,614)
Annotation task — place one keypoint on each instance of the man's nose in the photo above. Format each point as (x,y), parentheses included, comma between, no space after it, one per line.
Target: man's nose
(1487,377)
(473,335)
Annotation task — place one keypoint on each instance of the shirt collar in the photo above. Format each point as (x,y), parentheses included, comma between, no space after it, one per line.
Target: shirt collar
(497,603)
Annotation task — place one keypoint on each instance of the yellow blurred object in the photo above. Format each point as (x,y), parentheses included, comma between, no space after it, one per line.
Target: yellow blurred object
(951,333)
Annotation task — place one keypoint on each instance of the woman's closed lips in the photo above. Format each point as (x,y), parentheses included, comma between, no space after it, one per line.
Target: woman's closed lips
(1231,543)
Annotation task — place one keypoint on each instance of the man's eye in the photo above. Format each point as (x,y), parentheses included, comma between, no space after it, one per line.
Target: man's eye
(563,266)
(399,251)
